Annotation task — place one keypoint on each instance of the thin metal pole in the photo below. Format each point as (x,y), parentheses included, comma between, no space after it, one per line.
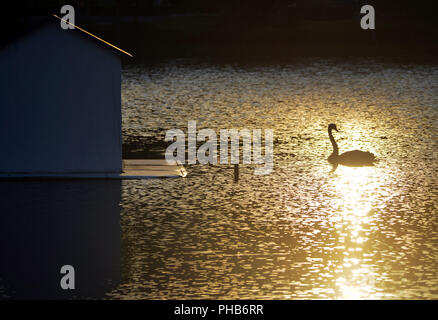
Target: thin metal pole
(236,172)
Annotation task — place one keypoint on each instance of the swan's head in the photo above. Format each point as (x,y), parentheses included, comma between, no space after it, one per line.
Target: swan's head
(332,126)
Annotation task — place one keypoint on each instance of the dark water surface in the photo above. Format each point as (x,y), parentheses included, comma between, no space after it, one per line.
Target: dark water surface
(301,232)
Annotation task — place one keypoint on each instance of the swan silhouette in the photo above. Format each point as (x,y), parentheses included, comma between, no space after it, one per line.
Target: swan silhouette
(355,158)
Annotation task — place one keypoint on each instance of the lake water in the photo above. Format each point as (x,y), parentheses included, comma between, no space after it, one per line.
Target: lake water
(300,232)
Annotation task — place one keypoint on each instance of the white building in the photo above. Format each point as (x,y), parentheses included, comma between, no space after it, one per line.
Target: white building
(60,104)
(60,108)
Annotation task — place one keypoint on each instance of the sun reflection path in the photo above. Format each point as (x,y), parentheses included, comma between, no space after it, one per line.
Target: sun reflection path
(357,190)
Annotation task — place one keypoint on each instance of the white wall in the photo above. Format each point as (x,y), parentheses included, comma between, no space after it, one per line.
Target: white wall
(60,104)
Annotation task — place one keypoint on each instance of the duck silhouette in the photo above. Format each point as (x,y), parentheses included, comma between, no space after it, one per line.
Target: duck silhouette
(355,158)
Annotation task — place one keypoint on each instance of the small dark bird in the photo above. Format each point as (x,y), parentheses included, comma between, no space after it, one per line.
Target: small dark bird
(355,158)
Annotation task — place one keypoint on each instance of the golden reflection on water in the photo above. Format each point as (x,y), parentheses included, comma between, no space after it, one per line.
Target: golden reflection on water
(356,189)
(301,232)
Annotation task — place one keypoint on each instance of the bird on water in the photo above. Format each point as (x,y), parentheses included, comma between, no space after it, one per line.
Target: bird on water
(355,158)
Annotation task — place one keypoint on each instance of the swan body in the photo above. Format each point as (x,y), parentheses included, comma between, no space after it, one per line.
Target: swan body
(355,158)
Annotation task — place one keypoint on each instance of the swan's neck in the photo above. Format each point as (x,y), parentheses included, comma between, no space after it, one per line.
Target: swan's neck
(334,144)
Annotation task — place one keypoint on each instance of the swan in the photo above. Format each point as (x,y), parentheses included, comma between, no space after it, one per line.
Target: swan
(355,158)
